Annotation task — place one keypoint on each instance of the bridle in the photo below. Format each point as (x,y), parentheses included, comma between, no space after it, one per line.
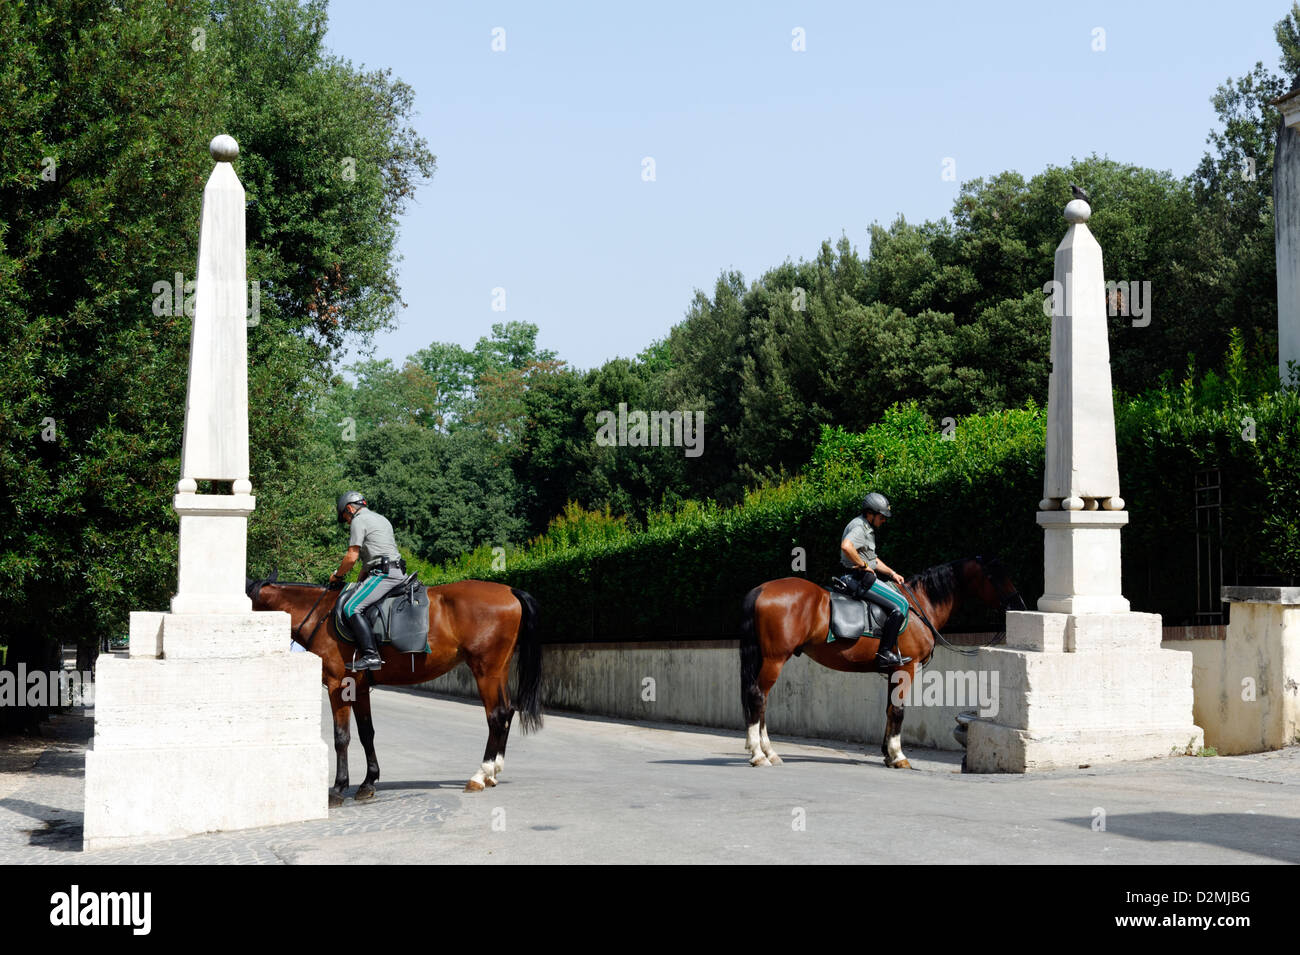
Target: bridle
(1006,602)
(255,587)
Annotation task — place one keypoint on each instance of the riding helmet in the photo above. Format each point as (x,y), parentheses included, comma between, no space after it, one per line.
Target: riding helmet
(346,498)
(877,503)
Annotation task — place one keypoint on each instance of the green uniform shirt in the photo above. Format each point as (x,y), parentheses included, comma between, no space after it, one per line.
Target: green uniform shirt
(863,537)
(374,535)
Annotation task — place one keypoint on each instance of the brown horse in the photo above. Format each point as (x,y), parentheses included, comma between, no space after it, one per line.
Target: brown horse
(783,618)
(472,620)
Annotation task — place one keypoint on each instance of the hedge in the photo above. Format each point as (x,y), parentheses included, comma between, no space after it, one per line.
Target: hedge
(974,490)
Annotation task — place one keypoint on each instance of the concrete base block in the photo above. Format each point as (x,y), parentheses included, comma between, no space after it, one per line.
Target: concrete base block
(1035,631)
(1087,632)
(145,634)
(1109,692)
(140,795)
(994,748)
(239,702)
(222,732)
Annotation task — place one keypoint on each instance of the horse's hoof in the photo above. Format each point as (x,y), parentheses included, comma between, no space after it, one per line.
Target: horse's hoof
(490,781)
(774,759)
(473,786)
(364,793)
(760,760)
(901,764)
(336,800)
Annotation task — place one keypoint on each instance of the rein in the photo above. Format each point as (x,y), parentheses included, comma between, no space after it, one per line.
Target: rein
(311,636)
(964,651)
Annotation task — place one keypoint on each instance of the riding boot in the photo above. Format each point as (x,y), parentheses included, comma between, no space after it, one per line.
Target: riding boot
(888,654)
(369,659)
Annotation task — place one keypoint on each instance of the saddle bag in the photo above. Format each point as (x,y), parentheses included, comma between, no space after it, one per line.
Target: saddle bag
(400,618)
(407,617)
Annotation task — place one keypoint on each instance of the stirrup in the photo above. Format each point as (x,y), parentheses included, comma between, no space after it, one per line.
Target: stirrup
(886,661)
(367,661)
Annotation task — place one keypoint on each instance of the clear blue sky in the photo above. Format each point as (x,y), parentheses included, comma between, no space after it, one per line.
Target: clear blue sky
(761,152)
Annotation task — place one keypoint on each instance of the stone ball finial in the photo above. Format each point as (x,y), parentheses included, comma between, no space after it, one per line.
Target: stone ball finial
(223,148)
(1076,210)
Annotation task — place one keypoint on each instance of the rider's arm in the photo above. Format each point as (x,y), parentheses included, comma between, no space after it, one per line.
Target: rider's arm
(884,570)
(851,552)
(349,559)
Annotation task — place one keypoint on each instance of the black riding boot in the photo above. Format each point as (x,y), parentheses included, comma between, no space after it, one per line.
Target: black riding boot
(888,654)
(369,659)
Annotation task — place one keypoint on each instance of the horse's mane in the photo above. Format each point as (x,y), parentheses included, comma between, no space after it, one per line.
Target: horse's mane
(940,581)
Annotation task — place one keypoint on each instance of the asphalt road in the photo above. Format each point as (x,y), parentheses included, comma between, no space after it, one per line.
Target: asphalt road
(588,790)
(592,790)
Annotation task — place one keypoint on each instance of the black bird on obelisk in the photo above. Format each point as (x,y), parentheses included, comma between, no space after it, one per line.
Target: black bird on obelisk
(1080,194)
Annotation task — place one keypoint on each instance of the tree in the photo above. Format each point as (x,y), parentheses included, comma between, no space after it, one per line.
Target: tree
(106,118)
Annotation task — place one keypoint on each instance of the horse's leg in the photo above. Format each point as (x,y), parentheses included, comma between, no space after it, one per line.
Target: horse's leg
(892,745)
(756,741)
(768,751)
(342,712)
(366,730)
(500,761)
(492,691)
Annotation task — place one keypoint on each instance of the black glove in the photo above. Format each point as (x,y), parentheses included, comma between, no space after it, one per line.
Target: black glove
(865,582)
(336,583)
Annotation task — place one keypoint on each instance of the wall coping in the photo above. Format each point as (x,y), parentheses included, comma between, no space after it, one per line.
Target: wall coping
(1262,595)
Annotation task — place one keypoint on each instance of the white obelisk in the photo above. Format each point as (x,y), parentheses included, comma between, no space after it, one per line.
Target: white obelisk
(210,723)
(1083,680)
(215,447)
(1081,511)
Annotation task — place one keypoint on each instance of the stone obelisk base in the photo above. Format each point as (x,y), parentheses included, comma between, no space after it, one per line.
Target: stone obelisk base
(210,724)
(1083,688)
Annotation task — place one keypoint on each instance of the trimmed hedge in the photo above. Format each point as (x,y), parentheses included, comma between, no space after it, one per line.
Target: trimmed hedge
(975,490)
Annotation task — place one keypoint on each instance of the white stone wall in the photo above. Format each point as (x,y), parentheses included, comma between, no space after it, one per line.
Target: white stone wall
(699,683)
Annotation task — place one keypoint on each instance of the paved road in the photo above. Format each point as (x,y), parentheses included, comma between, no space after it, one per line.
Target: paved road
(589,790)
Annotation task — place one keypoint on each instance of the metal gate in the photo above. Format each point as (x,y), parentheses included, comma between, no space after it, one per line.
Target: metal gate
(1209,547)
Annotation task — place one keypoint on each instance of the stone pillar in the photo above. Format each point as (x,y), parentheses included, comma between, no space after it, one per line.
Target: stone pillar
(1255,703)
(1286,231)
(1083,680)
(210,723)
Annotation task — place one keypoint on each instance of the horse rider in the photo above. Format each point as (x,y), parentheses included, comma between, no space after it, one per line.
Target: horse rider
(858,553)
(371,541)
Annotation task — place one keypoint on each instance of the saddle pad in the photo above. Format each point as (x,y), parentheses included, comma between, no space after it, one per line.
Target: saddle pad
(400,620)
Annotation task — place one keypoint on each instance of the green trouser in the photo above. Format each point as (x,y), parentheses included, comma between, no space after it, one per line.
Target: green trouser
(884,595)
(373,589)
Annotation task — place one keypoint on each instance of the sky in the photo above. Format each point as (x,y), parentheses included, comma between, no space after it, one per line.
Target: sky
(542,210)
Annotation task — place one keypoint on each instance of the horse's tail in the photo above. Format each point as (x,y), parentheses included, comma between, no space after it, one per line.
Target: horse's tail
(529,647)
(751,659)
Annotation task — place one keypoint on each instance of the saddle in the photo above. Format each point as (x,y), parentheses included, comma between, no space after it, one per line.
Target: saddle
(852,618)
(400,618)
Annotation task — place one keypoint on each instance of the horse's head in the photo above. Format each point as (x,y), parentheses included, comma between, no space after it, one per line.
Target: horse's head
(993,585)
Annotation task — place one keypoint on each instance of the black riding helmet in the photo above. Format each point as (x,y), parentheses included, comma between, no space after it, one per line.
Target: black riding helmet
(349,497)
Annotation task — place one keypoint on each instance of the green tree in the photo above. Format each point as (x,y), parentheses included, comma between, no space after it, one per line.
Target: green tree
(107,112)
